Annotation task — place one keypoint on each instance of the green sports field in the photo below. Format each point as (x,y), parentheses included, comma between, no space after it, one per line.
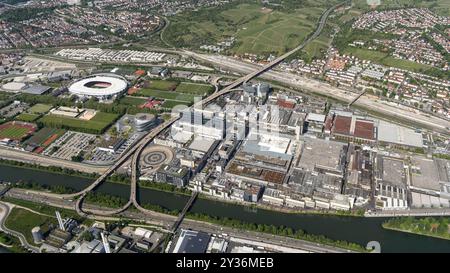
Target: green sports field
(27,117)
(14,131)
(97,125)
(45,136)
(163,85)
(169,104)
(165,95)
(132,101)
(39,109)
(194,88)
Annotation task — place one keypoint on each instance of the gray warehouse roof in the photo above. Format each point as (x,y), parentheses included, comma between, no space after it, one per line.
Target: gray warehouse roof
(192,242)
(37,89)
(392,133)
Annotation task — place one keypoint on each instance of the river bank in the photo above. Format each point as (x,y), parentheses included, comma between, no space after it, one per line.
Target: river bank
(165,188)
(359,230)
(430,226)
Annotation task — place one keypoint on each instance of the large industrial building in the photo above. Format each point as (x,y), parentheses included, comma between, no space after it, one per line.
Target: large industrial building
(100,86)
(191,241)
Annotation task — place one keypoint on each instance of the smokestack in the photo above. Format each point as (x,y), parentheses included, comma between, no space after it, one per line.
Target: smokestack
(105,243)
(60,221)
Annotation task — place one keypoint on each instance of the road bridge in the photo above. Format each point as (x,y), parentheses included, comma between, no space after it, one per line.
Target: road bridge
(5,190)
(184,211)
(136,150)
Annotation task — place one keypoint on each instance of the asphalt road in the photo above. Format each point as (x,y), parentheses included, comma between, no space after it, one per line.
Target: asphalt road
(166,222)
(322,88)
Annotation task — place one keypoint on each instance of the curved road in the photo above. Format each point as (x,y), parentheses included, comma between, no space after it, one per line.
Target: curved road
(232,87)
(136,150)
(4,213)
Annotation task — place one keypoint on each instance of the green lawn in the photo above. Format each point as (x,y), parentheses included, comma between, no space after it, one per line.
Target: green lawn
(169,104)
(385,59)
(104,117)
(257,29)
(163,85)
(165,95)
(97,125)
(194,88)
(13,132)
(132,101)
(40,108)
(27,117)
(23,221)
(45,209)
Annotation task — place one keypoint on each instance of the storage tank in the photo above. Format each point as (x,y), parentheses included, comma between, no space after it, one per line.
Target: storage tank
(37,235)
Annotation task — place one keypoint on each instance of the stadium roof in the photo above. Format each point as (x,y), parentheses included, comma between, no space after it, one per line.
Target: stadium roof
(106,86)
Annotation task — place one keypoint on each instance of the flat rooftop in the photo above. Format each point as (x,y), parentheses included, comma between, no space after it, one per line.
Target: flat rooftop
(392,133)
(391,170)
(268,145)
(202,144)
(321,153)
(425,173)
(192,242)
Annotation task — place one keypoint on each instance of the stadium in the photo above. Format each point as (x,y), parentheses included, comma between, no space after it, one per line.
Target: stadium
(100,86)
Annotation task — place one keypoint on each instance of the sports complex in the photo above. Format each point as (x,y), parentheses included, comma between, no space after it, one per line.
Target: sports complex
(100,86)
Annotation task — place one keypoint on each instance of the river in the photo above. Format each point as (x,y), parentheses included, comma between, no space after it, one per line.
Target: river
(4,250)
(353,229)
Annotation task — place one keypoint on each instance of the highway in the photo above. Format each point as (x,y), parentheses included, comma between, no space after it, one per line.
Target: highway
(138,147)
(215,95)
(136,150)
(166,221)
(304,84)
(22,156)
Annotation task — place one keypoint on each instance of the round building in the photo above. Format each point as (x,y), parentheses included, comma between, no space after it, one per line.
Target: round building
(100,86)
(37,235)
(144,122)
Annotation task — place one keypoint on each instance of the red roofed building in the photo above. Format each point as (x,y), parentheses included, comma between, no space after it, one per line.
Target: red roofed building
(364,129)
(342,125)
(285,104)
(140,72)
(353,129)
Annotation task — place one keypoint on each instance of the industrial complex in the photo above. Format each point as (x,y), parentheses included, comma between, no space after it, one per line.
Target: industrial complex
(124,129)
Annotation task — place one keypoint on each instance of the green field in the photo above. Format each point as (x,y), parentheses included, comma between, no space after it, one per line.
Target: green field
(194,88)
(43,135)
(97,125)
(27,117)
(132,101)
(23,221)
(169,104)
(39,109)
(385,59)
(163,85)
(257,29)
(46,209)
(165,95)
(104,117)
(13,132)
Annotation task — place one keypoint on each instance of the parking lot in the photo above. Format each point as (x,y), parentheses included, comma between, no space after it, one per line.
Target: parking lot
(70,144)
